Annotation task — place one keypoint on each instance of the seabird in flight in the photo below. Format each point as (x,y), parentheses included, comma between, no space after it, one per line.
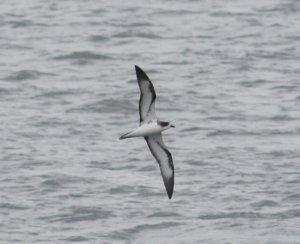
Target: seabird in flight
(150,128)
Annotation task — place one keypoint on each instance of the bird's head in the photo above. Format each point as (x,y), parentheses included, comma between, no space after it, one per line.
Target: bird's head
(166,125)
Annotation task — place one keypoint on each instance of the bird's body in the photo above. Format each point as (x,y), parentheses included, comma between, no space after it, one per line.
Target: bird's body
(150,128)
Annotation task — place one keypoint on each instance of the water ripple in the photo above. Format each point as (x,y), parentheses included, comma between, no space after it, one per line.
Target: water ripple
(82,56)
(78,214)
(128,233)
(26,75)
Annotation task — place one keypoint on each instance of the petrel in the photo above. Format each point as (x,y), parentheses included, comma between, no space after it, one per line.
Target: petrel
(151,128)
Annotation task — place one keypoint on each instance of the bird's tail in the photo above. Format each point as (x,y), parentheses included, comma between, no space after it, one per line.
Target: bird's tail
(126,135)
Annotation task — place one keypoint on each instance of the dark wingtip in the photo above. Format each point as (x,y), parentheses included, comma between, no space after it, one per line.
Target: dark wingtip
(170,187)
(140,73)
(137,69)
(170,193)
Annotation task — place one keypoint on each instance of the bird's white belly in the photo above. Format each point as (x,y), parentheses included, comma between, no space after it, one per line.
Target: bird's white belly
(147,130)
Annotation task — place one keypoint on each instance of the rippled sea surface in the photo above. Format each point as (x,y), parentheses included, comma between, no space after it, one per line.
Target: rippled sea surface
(226,73)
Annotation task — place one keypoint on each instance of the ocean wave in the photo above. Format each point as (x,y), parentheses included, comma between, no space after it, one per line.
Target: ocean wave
(109,105)
(98,38)
(11,206)
(78,214)
(129,233)
(82,55)
(144,35)
(26,75)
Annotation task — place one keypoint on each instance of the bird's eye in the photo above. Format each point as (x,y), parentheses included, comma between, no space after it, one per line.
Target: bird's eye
(162,123)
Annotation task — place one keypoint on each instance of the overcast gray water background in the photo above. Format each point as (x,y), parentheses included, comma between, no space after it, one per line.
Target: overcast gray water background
(226,74)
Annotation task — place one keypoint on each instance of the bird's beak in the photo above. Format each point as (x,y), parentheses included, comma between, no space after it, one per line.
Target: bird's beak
(173,126)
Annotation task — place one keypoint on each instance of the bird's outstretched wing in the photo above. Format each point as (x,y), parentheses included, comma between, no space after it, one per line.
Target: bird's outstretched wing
(147,98)
(164,159)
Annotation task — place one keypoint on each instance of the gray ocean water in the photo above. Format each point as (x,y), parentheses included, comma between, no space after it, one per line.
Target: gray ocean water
(226,73)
